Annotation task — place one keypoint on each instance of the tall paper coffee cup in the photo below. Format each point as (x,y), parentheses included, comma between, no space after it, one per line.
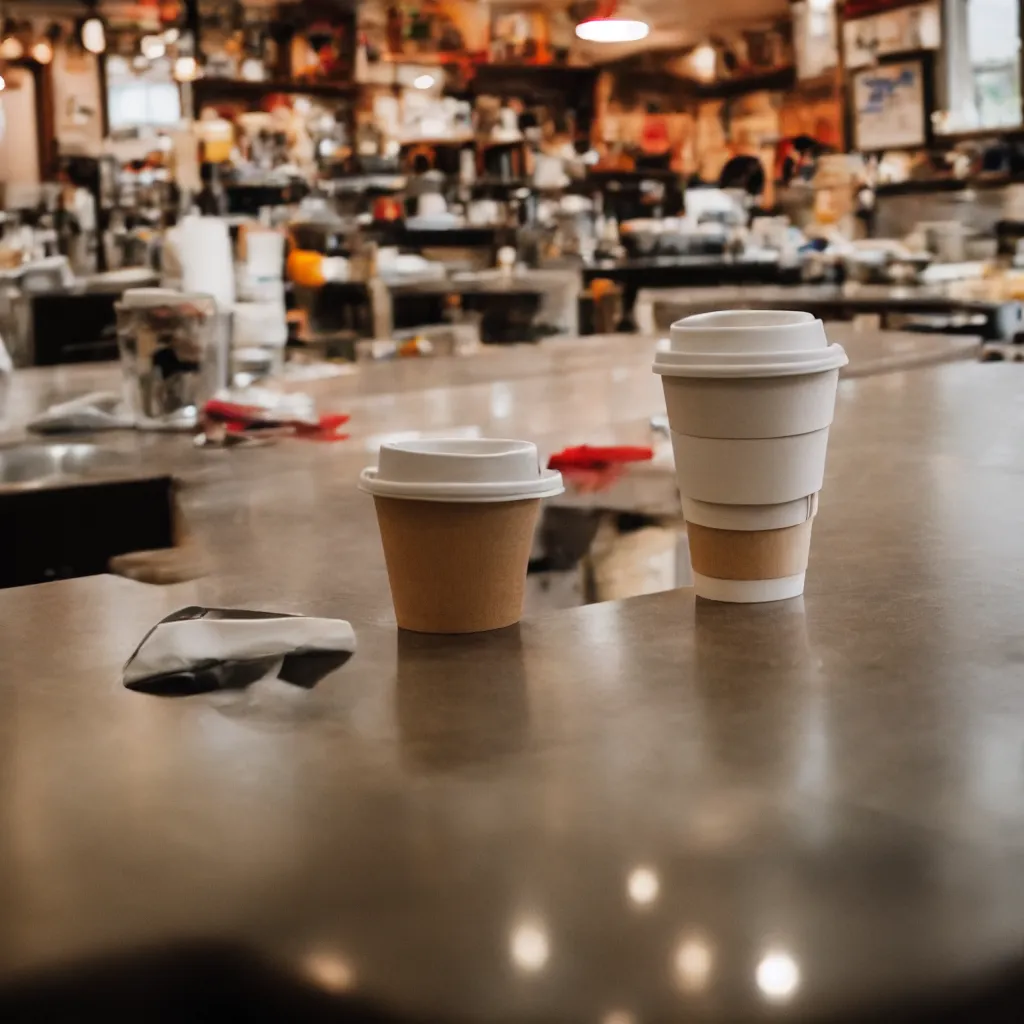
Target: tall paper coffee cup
(750,397)
(456,521)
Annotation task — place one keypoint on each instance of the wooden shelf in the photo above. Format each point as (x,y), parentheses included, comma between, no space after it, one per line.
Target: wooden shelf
(238,88)
(977,183)
(481,141)
(778,80)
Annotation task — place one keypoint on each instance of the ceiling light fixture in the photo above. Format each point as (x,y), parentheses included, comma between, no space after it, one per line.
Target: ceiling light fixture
(606,26)
(42,51)
(93,33)
(423,81)
(703,61)
(11,46)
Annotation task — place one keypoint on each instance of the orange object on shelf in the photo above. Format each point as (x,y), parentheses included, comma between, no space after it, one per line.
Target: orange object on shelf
(306,268)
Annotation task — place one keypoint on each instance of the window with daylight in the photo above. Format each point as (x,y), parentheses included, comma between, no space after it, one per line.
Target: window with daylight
(139,98)
(983,65)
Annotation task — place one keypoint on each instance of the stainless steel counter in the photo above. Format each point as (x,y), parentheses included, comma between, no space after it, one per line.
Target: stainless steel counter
(642,811)
(623,360)
(998,319)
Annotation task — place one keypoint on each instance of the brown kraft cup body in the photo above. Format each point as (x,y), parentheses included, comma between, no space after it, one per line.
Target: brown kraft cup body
(456,567)
(749,554)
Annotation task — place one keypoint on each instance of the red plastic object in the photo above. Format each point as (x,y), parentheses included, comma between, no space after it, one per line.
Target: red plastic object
(251,418)
(585,456)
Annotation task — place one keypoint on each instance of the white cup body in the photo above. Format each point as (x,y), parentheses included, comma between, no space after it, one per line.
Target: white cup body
(750,517)
(759,471)
(742,407)
(748,591)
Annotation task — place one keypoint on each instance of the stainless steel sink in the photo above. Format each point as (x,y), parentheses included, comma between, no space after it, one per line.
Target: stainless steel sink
(38,465)
(72,507)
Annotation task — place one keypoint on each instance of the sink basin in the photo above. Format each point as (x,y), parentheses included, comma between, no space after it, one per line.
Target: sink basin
(35,465)
(72,507)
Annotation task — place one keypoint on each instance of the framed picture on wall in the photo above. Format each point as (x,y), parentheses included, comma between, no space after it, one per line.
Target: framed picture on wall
(865,40)
(890,109)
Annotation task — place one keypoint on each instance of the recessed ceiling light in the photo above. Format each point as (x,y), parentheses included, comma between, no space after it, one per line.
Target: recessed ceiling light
(12,48)
(612,30)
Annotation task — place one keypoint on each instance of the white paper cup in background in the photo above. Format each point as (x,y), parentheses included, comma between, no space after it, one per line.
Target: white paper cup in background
(457,518)
(207,259)
(750,397)
(264,254)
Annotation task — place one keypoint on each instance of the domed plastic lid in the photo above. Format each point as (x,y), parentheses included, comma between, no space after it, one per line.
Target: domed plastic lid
(748,343)
(460,470)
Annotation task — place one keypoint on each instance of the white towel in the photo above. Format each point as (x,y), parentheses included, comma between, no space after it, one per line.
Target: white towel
(100,410)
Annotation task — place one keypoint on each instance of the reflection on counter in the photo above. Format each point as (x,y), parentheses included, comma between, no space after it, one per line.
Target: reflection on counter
(693,964)
(530,946)
(778,976)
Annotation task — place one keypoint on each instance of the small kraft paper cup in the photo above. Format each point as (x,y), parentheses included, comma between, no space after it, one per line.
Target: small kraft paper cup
(750,396)
(457,519)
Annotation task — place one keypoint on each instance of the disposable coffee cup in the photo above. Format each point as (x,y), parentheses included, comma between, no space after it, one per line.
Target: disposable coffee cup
(750,396)
(457,519)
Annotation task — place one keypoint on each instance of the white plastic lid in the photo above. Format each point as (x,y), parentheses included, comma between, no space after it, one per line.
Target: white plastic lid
(747,343)
(457,469)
